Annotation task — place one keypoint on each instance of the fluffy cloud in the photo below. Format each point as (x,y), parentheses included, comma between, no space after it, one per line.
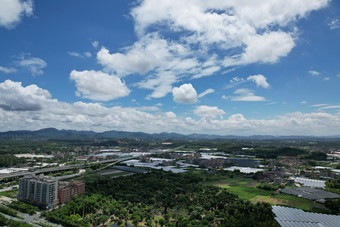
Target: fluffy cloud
(221,17)
(32,108)
(198,38)
(7,70)
(208,111)
(206,92)
(15,97)
(98,85)
(164,62)
(260,80)
(35,65)
(11,11)
(268,47)
(246,95)
(184,94)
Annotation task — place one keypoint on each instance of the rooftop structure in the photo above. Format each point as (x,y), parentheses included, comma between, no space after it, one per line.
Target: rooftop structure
(287,217)
(129,169)
(310,182)
(310,193)
(38,190)
(244,169)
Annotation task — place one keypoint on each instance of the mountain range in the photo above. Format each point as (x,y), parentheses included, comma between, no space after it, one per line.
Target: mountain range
(55,134)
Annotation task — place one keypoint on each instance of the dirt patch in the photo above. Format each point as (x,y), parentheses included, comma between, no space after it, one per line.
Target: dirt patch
(6,199)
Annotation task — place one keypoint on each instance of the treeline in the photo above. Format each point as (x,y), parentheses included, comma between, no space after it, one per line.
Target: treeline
(159,198)
(12,223)
(23,207)
(333,185)
(269,187)
(317,155)
(10,160)
(273,153)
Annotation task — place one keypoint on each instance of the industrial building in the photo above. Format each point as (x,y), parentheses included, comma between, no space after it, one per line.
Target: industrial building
(38,190)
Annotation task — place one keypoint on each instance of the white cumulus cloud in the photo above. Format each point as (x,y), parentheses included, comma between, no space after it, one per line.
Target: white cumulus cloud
(198,38)
(208,111)
(12,11)
(186,93)
(30,107)
(98,85)
(260,80)
(15,97)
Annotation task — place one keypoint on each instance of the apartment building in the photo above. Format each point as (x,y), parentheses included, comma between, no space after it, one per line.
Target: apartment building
(67,190)
(38,190)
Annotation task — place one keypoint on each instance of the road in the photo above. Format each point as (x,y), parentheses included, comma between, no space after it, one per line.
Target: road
(34,219)
(61,168)
(9,188)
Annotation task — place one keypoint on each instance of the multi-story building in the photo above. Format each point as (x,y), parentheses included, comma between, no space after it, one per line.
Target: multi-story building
(66,190)
(38,190)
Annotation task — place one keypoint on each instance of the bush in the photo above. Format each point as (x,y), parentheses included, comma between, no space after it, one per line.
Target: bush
(268,187)
(23,207)
(8,211)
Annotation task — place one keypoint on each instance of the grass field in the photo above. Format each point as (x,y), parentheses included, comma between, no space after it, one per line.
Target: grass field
(246,189)
(246,192)
(236,181)
(282,199)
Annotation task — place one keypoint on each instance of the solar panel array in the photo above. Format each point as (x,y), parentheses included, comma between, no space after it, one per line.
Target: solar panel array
(310,193)
(287,217)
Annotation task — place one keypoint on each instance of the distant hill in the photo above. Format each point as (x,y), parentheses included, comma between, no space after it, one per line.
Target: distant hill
(55,134)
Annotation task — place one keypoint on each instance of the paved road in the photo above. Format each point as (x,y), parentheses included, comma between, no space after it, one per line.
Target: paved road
(8,188)
(61,168)
(30,219)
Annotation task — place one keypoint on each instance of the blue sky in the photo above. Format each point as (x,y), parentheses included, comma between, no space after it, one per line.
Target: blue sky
(217,67)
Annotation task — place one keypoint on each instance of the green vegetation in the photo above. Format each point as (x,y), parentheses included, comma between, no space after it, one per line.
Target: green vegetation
(23,207)
(10,160)
(246,189)
(333,186)
(8,211)
(64,173)
(12,223)
(285,200)
(268,187)
(161,198)
(317,155)
(246,193)
(333,205)
(275,152)
(10,193)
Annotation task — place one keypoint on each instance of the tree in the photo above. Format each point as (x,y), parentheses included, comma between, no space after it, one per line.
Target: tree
(161,222)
